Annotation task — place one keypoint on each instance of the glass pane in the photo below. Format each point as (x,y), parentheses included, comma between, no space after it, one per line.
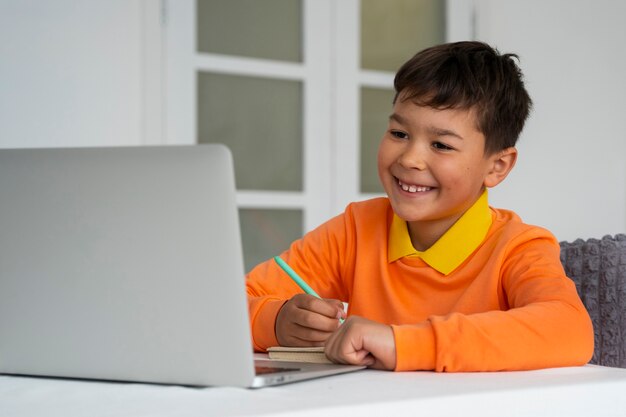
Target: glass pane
(376,106)
(266,233)
(260,120)
(392,31)
(269,29)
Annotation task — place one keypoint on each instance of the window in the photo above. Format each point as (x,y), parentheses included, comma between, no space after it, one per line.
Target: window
(300,90)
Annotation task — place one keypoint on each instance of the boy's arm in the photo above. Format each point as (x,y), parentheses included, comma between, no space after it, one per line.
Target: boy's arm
(546,325)
(317,257)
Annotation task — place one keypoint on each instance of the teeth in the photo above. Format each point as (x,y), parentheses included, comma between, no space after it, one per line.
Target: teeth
(413,188)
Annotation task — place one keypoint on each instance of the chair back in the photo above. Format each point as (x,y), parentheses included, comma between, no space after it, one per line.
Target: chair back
(598,267)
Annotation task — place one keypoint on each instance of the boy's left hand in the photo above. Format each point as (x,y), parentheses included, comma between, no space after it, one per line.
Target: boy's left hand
(359,341)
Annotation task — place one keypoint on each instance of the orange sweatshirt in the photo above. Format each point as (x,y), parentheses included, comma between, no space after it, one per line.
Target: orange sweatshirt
(505,305)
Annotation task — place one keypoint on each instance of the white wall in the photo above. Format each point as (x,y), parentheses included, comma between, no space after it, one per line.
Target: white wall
(73,73)
(571,175)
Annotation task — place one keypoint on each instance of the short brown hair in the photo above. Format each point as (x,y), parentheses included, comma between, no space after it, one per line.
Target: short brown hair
(470,75)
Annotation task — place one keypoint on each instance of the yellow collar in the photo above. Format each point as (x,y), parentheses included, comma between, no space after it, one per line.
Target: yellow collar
(456,244)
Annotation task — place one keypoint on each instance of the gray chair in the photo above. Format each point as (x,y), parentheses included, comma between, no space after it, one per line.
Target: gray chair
(598,267)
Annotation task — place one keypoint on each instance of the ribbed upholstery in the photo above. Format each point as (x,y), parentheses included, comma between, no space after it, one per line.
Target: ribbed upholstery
(598,267)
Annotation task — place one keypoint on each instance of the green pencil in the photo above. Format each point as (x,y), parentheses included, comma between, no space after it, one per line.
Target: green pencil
(296,278)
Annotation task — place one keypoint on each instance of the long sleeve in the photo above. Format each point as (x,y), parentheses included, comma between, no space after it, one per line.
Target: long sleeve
(317,258)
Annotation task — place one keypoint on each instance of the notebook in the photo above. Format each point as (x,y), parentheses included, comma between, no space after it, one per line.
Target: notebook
(125,264)
(298,354)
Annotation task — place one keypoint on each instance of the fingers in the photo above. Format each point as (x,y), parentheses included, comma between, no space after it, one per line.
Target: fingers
(313,320)
(331,309)
(305,320)
(345,346)
(362,342)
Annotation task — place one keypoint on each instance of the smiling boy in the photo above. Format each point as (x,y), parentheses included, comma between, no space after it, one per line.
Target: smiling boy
(434,277)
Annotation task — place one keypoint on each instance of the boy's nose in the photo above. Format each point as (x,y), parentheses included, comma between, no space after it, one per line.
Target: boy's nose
(412,157)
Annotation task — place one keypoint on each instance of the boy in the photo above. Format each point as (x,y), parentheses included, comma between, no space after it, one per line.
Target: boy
(434,277)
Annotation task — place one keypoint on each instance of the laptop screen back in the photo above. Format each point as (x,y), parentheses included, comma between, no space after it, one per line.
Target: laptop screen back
(122,264)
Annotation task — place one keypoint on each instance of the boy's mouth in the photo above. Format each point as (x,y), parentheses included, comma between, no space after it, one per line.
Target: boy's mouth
(412,188)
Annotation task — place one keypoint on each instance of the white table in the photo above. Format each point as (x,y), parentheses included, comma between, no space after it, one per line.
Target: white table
(583,391)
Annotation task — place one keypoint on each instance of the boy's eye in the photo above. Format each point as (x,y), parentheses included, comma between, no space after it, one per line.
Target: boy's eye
(398,134)
(441,146)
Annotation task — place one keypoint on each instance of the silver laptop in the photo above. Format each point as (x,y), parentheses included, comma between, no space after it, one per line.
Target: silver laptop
(126,264)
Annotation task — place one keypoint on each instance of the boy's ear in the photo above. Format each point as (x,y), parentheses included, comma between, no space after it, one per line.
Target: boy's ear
(502,163)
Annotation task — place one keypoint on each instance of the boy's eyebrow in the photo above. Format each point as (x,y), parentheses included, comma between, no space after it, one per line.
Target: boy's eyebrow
(443,132)
(436,131)
(397,118)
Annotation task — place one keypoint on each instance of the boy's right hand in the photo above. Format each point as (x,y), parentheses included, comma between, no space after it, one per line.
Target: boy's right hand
(306,320)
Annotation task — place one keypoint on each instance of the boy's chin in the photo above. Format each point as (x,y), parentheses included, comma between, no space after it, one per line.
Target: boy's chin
(408,214)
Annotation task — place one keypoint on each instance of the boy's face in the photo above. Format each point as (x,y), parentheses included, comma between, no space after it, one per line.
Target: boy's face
(432,165)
